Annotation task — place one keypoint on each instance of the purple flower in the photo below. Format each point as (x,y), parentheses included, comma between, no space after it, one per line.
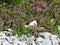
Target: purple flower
(43,4)
(9,21)
(34,27)
(23,14)
(58,0)
(4,4)
(38,9)
(0,19)
(1,24)
(17,9)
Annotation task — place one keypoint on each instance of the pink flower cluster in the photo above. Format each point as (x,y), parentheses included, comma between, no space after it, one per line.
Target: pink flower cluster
(59,1)
(38,9)
(43,4)
(35,28)
(1,22)
(10,21)
(17,9)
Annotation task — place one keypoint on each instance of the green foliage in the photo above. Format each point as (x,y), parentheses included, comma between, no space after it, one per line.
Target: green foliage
(56,30)
(25,31)
(25,11)
(55,1)
(14,2)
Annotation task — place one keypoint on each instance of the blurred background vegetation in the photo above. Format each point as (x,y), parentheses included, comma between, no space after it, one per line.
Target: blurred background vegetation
(15,14)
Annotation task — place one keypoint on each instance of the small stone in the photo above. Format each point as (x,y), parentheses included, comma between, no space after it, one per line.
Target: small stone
(26,26)
(52,20)
(33,23)
(9,29)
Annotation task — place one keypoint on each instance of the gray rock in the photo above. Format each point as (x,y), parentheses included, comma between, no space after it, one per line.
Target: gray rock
(46,35)
(44,38)
(54,40)
(5,42)
(47,42)
(39,41)
(58,38)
